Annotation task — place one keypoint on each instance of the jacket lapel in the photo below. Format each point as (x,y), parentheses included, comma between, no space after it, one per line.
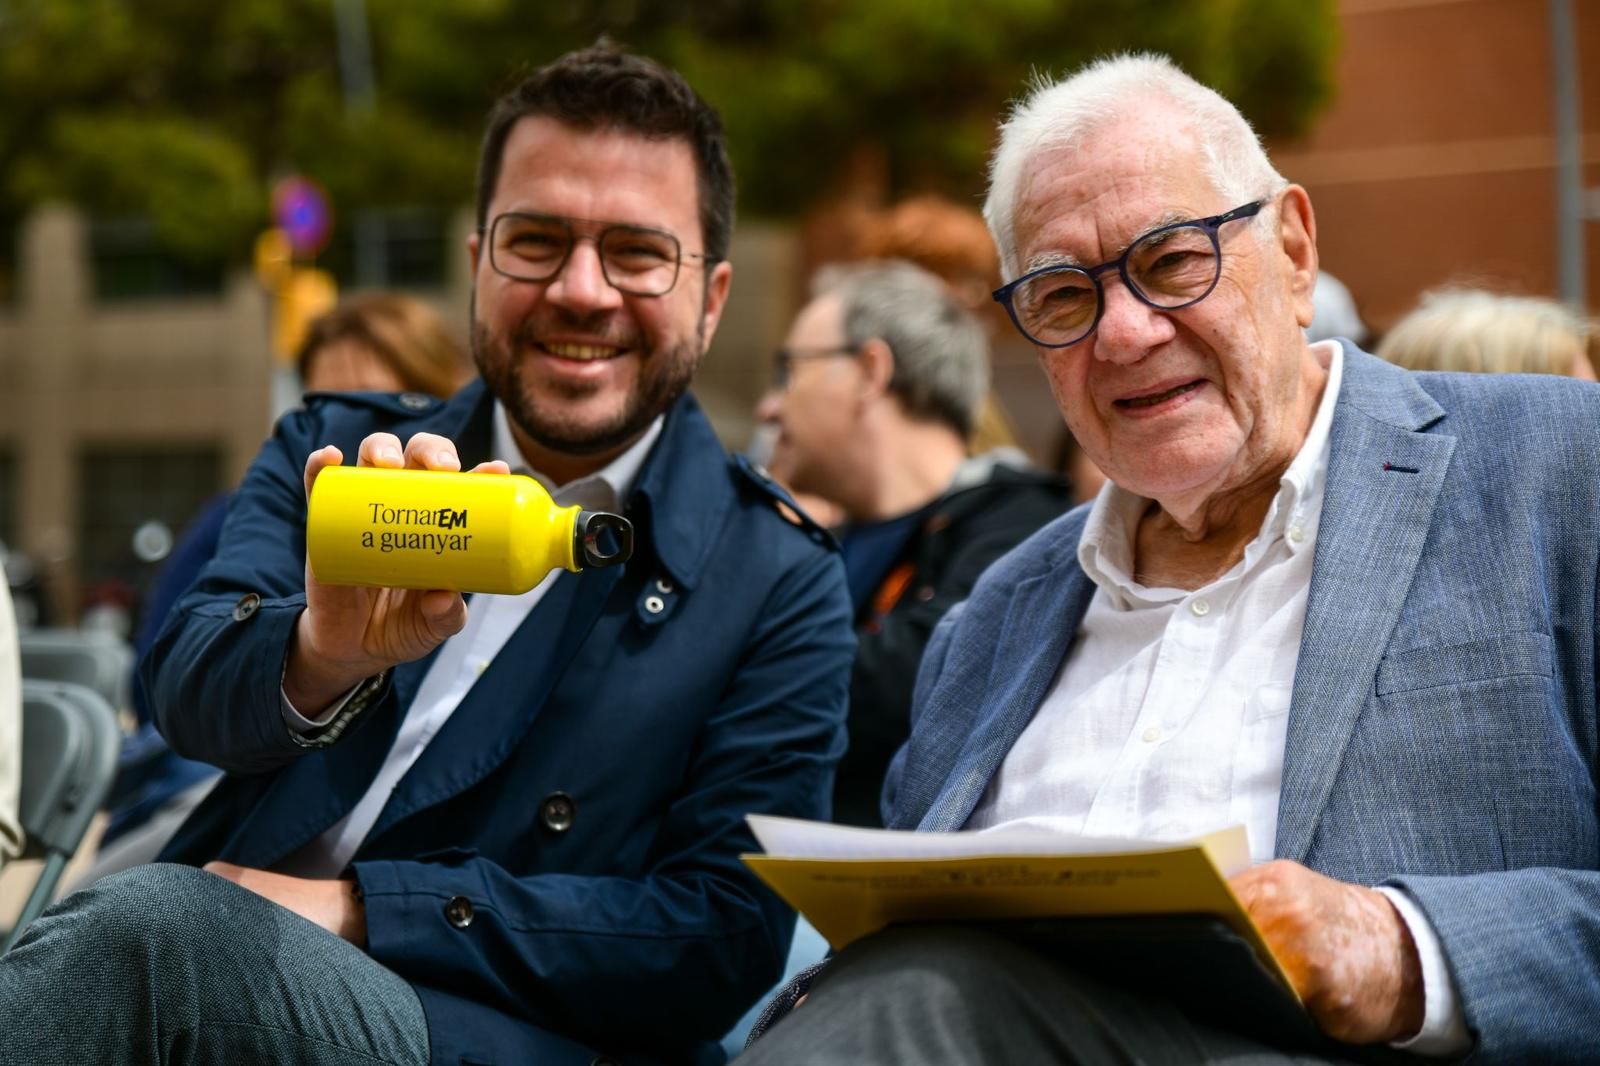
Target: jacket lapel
(1040,624)
(1384,478)
(501,706)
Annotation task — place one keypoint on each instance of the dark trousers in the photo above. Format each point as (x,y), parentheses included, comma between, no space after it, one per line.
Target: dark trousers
(168,964)
(949,994)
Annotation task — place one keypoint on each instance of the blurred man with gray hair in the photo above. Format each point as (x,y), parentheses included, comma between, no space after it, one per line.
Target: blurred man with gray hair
(1348,606)
(877,389)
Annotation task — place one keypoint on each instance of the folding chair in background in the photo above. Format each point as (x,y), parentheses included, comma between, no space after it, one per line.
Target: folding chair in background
(69,758)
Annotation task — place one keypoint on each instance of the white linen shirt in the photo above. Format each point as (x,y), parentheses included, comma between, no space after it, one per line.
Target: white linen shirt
(1170,714)
(491,620)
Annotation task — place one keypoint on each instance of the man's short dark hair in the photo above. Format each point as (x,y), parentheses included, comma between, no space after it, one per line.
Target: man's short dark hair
(602,87)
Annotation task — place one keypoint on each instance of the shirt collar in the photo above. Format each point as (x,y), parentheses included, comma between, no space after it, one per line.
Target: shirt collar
(1105,550)
(603,490)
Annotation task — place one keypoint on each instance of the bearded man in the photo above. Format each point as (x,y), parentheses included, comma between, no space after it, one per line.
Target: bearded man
(509,834)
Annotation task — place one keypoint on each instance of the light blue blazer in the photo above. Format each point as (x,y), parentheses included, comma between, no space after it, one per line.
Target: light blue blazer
(1442,732)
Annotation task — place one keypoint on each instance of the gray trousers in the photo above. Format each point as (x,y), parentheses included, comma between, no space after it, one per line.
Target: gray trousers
(168,964)
(958,995)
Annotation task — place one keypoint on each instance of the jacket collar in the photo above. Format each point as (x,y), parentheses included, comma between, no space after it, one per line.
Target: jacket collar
(680,498)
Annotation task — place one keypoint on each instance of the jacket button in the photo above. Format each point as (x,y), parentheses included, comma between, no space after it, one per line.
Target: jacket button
(415,401)
(458,912)
(557,812)
(655,604)
(925,593)
(247,606)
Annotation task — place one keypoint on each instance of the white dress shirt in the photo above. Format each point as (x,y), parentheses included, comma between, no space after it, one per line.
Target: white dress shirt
(1170,715)
(491,620)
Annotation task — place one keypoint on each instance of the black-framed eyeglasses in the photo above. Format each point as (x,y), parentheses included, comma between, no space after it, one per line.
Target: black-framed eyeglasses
(637,260)
(1168,268)
(783,359)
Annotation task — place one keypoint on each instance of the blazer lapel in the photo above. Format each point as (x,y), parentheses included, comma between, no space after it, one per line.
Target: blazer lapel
(1040,624)
(1384,478)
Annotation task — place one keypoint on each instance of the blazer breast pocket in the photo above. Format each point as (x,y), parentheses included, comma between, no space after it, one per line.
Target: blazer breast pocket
(1485,745)
(1507,655)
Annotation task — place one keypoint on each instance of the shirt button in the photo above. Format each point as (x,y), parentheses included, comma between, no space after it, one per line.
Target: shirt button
(458,912)
(1151,735)
(483,664)
(248,604)
(557,812)
(1297,534)
(1200,608)
(415,401)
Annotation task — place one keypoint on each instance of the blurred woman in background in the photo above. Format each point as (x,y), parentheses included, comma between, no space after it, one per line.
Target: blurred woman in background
(1487,333)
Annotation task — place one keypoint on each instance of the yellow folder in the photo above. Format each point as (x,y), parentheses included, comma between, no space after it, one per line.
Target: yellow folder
(853,882)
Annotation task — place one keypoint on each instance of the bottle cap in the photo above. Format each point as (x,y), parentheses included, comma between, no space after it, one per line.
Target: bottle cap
(602,539)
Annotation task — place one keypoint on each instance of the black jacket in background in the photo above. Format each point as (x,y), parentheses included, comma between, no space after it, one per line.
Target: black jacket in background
(990,509)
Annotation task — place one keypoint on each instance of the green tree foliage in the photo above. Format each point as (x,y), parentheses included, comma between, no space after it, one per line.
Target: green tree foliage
(186,110)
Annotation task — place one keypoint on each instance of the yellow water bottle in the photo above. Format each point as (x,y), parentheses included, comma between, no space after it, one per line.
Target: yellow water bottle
(428,529)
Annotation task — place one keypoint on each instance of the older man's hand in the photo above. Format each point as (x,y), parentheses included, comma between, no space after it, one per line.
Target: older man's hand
(1346,950)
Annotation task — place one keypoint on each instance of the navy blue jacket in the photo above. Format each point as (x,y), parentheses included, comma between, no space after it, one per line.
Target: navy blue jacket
(625,923)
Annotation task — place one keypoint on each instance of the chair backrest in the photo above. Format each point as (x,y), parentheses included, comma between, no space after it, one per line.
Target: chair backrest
(96,660)
(69,758)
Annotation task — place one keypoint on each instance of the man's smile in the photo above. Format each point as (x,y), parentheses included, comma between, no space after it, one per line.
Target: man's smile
(1158,395)
(583,353)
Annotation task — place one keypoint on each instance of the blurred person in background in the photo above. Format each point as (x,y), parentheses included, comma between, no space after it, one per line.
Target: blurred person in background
(883,374)
(1490,333)
(1334,313)
(510,833)
(373,342)
(381,342)
(951,242)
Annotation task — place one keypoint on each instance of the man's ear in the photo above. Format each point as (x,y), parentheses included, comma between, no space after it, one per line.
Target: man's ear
(474,243)
(876,360)
(718,282)
(1297,234)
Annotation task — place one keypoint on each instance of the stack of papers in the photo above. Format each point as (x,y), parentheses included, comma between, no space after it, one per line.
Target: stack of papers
(851,882)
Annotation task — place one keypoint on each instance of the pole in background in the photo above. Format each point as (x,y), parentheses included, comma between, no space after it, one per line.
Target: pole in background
(360,98)
(1570,213)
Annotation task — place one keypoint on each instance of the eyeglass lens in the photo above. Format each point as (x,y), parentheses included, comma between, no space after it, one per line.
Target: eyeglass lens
(1168,269)
(634,259)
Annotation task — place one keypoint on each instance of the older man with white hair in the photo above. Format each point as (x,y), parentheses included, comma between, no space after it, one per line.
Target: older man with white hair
(1349,606)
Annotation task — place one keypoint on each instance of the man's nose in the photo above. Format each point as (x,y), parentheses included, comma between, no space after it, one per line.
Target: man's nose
(581,285)
(1128,327)
(770,407)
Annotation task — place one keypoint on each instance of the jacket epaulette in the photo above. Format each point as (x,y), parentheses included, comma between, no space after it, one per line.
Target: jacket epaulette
(397,404)
(754,475)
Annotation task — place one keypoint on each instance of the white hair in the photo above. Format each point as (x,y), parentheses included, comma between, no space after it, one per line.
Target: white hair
(1064,113)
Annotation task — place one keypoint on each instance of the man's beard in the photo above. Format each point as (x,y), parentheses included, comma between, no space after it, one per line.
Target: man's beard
(664,374)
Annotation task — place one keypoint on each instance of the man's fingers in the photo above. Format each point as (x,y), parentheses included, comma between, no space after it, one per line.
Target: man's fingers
(381,449)
(445,611)
(493,466)
(429,451)
(320,460)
